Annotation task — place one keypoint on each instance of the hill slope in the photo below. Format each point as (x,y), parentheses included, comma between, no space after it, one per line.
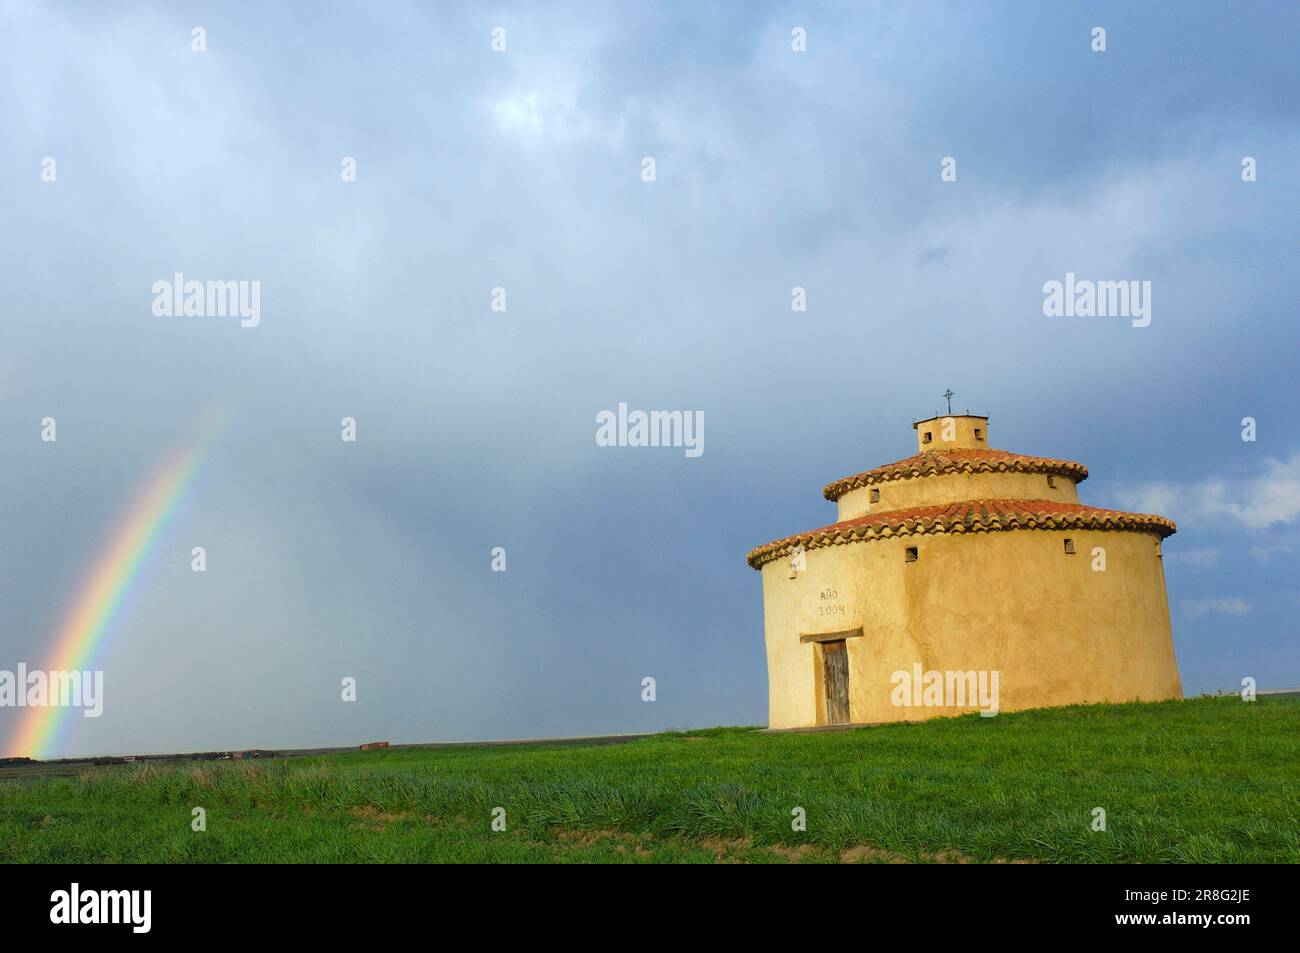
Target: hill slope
(1205,780)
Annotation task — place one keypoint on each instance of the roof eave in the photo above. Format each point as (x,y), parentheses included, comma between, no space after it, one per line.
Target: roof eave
(917,423)
(853,531)
(1018,464)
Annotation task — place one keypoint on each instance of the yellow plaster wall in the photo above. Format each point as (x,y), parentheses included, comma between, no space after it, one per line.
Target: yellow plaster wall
(938,489)
(965,433)
(1013,601)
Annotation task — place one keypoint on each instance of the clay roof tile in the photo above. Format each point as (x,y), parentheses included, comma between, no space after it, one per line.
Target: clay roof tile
(970,516)
(932,462)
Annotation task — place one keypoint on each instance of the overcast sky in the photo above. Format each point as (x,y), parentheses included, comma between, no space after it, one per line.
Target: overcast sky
(522,169)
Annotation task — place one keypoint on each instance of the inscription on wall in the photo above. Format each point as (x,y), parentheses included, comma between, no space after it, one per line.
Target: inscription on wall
(828,603)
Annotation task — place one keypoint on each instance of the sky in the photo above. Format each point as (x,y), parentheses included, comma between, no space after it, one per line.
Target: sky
(522,169)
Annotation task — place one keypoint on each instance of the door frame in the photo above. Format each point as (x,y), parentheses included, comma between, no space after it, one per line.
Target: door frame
(821,711)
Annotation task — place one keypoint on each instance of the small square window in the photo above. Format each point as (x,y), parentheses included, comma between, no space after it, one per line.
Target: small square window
(910,555)
(1069,546)
(875,496)
(1051,481)
(926,437)
(979,434)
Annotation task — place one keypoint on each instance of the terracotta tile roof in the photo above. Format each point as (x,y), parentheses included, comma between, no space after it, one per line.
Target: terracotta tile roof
(974,516)
(930,462)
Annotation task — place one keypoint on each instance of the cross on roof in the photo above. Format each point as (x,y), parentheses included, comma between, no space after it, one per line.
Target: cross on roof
(950,395)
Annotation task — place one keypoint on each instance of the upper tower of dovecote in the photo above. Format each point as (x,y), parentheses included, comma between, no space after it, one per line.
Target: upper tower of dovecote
(955,464)
(952,432)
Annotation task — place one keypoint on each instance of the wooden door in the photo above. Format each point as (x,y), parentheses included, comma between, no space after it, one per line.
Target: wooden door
(835,676)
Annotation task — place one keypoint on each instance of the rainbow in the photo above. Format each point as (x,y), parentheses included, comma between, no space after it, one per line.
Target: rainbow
(119,569)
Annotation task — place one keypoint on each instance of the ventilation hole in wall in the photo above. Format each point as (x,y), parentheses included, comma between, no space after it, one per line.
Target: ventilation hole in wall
(926,437)
(1069,547)
(875,496)
(1051,481)
(911,555)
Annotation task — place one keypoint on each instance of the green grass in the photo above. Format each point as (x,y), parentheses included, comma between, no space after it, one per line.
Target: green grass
(1206,780)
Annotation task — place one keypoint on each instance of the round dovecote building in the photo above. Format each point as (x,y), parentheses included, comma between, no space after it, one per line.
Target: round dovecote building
(959,579)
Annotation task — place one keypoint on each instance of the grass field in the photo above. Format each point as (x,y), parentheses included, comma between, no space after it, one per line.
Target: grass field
(1205,780)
